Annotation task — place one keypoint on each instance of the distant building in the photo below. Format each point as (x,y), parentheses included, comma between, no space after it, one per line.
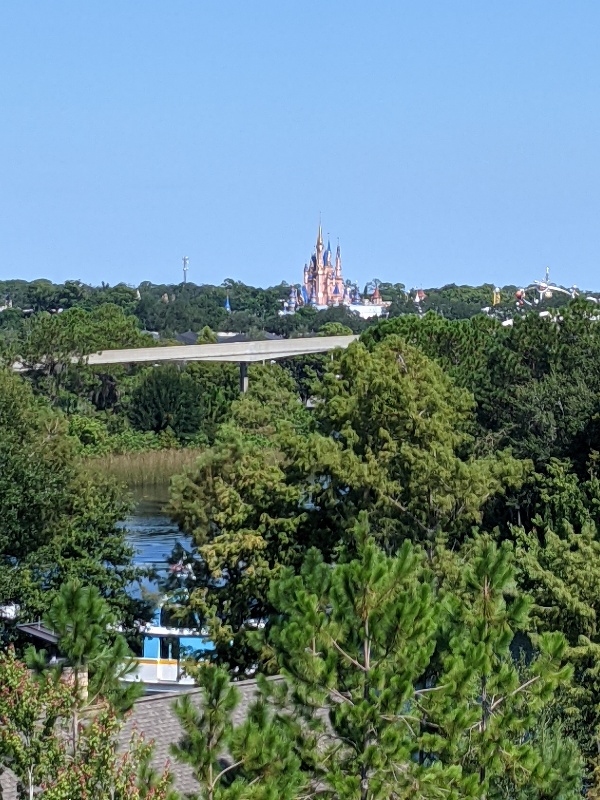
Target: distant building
(323,282)
(324,286)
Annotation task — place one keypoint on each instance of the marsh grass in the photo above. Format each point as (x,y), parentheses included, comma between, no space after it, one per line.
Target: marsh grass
(150,468)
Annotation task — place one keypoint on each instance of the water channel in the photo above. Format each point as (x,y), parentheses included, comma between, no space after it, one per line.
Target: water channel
(150,531)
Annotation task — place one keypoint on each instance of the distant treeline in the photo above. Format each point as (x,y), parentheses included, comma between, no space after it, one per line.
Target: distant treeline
(171,309)
(128,408)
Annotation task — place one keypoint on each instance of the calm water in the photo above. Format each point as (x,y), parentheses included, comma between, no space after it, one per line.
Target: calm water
(150,531)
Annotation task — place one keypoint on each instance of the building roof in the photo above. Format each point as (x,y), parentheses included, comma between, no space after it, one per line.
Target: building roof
(189,337)
(38,631)
(153,715)
(8,786)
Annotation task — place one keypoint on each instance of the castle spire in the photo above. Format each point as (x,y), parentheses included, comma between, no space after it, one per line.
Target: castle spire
(319,261)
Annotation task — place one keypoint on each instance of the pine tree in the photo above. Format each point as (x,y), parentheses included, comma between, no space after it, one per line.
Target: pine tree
(89,640)
(423,697)
(559,566)
(356,639)
(555,748)
(251,761)
(487,722)
(96,656)
(207,729)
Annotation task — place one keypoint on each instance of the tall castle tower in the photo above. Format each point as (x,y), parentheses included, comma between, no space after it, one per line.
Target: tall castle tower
(323,282)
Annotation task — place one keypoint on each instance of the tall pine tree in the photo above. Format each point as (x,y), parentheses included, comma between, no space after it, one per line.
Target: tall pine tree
(422,695)
(253,760)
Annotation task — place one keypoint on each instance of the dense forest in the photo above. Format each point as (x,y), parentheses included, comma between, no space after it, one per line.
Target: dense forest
(452,435)
(127,409)
(417,548)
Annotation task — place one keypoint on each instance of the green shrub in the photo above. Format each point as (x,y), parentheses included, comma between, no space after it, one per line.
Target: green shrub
(90,435)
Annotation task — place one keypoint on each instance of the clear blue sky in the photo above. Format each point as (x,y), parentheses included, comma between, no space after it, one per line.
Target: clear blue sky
(441,140)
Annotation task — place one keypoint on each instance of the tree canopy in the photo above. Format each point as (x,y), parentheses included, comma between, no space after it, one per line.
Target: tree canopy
(56,523)
(472,446)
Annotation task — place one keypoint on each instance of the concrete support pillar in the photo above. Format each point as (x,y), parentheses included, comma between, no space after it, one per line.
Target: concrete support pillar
(243,376)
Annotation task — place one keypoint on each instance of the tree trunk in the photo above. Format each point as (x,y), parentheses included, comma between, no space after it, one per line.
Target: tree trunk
(484,721)
(364,776)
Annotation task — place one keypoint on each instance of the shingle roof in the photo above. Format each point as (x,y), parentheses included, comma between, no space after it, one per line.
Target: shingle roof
(153,716)
(189,337)
(8,786)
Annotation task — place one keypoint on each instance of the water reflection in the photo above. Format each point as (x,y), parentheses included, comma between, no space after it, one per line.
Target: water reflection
(150,531)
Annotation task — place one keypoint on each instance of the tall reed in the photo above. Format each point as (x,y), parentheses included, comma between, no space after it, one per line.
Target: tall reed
(149,468)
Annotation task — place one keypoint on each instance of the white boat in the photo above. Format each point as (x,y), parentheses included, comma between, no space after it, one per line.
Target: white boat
(164,650)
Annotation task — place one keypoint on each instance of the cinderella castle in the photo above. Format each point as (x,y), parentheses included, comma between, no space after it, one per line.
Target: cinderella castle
(324,285)
(323,282)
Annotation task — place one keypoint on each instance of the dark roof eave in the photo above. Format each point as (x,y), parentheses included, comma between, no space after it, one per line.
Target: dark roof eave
(38,631)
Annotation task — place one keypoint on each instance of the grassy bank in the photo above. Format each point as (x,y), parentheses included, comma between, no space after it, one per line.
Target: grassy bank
(150,468)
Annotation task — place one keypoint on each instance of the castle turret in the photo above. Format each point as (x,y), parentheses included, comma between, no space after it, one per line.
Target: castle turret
(339,281)
(292,299)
